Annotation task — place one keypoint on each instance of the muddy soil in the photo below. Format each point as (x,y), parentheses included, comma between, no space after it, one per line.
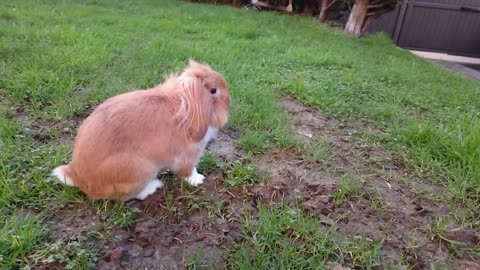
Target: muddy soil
(386,209)
(180,226)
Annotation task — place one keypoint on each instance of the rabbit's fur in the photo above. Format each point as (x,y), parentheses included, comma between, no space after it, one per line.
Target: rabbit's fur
(128,139)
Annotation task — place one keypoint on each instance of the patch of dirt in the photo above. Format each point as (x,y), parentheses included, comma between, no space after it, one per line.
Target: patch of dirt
(10,110)
(63,131)
(224,146)
(21,113)
(42,131)
(181,226)
(73,221)
(384,210)
(180,229)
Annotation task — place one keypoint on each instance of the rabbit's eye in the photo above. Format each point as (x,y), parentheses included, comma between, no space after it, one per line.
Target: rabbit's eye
(213,91)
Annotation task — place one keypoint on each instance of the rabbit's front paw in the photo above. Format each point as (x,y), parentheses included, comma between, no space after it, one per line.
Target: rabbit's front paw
(195,179)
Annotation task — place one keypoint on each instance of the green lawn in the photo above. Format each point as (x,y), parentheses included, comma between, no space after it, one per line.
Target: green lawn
(59,58)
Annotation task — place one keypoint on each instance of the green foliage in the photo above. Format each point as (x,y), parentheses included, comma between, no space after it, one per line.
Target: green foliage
(73,254)
(302,244)
(240,173)
(318,151)
(348,187)
(441,228)
(253,142)
(59,58)
(453,153)
(208,163)
(20,234)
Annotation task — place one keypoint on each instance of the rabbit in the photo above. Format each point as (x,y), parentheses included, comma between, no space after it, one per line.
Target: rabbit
(124,143)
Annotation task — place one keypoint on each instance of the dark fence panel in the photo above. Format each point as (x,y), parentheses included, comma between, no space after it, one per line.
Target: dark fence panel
(385,23)
(449,2)
(451,26)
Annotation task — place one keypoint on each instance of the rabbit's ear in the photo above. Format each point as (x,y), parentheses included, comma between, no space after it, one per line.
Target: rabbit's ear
(195,109)
(196,65)
(192,63)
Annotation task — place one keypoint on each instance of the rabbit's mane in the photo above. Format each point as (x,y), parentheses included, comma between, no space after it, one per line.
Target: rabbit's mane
(191,109)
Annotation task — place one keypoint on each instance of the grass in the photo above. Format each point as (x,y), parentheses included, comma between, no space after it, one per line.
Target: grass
(377,203)
(281,229)
(437,229)
(74,254)
(237,173)
(208,163)
(253,142)
(452,152)
(240,173)
(318,151)
(58,59)
(20,235)
(430,117)
(347,188)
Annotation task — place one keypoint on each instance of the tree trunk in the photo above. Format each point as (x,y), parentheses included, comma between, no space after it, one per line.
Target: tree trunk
(289,8)
(357,18)
(324,11)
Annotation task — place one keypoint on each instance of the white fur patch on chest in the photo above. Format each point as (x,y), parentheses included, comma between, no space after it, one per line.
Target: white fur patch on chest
(210,135)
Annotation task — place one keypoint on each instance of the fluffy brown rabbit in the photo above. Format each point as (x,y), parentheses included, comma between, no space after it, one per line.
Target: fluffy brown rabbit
(121,147)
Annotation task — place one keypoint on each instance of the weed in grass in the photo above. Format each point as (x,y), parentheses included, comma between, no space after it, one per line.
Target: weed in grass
(438,228)
(318,151)
(285,140)
(364,251)
(240,173)
(388,226)
(254,142)
(348,188)
(194,203)
(377,203)
(194,261)
(20,234)
(170,205)
(125,218)
(465,216)
(208,163)
(74,253)
(116,213)
(412,248)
